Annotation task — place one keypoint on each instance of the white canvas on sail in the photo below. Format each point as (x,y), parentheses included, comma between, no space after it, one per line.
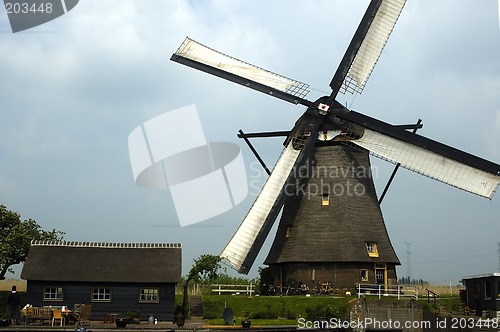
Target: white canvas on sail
(372,45)
(240,244)
(430,164)
(195,51)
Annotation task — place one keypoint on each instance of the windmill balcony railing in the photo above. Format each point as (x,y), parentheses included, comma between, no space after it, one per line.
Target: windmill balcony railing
(380,291)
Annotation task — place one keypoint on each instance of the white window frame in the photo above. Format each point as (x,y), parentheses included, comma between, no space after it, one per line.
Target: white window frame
(149,295)
(101,294)
(53,293)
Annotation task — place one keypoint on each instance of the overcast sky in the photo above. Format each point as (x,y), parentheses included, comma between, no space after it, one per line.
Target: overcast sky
(72,91)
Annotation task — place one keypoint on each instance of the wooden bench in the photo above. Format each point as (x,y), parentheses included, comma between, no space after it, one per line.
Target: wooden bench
(109,318)
(32,314)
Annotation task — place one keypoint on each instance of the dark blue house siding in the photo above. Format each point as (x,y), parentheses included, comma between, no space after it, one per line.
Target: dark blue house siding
(124,298)
(483,293)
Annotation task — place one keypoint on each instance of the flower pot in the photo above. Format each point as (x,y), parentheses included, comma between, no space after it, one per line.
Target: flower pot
(121,322)
(246,323)
(180,320)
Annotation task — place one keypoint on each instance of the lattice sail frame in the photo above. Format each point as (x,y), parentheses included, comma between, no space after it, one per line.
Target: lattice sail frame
(193,50)
(427,163)
(241,243)
(372,46)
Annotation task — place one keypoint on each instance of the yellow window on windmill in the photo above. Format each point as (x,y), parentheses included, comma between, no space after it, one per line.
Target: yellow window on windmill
(364,275)
(325,199)
(371,247)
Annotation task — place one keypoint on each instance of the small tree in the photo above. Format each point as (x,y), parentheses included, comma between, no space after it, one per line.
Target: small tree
(16,236)
(207,267)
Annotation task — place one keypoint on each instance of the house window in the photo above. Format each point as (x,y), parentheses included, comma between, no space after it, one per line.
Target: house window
(52,293)
(149,295)
(371,247)
(101,294)
(364,275)
(325,199)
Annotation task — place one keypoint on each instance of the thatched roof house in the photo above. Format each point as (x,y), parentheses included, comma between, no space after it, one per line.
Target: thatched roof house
(113,277)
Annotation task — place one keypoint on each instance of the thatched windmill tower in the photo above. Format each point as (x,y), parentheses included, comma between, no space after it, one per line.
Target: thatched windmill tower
(345,241)
(331,228)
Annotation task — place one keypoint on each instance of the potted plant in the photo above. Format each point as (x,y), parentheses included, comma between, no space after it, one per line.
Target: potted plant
(179,317)
(246,322)
(4,321)
(125,318)
(121,321)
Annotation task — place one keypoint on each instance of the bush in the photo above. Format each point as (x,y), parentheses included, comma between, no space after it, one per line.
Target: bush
(267,314)
(325,312)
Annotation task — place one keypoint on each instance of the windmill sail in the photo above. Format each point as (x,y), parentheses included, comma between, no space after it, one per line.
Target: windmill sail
(240,246)
(242,249)
(372,46)
(193,54)
(366,46)
(422,155)
(431,164)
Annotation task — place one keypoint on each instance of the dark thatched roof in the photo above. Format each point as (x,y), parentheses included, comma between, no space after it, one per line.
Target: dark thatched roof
(103,262)
(311,232)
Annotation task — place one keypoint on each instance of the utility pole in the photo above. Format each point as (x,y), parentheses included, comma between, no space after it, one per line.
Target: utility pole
(408,262)
(498,242)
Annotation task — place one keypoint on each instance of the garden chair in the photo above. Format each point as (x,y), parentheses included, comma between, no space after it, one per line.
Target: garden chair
(57,315)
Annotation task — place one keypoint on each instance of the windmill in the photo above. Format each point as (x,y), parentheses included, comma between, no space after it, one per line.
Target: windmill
(344,234)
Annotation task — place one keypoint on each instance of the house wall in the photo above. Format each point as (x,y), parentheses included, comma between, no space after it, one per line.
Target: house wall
(344,276)
(124,298)
(483,294)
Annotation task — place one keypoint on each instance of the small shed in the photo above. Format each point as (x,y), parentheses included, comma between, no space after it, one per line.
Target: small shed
(112,277)
(483,293)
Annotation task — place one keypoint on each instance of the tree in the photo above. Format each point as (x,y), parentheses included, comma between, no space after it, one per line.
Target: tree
(205,267)
(16,236)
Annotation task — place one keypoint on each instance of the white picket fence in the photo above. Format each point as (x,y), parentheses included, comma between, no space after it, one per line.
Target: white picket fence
(233,289)
(393,291)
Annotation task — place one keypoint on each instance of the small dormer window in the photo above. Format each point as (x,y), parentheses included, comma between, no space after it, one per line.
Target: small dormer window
(371,247)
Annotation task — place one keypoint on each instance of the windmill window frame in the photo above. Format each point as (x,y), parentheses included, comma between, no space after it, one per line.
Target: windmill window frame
(325,199)
(288,231)
(364,274)
(371,248)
